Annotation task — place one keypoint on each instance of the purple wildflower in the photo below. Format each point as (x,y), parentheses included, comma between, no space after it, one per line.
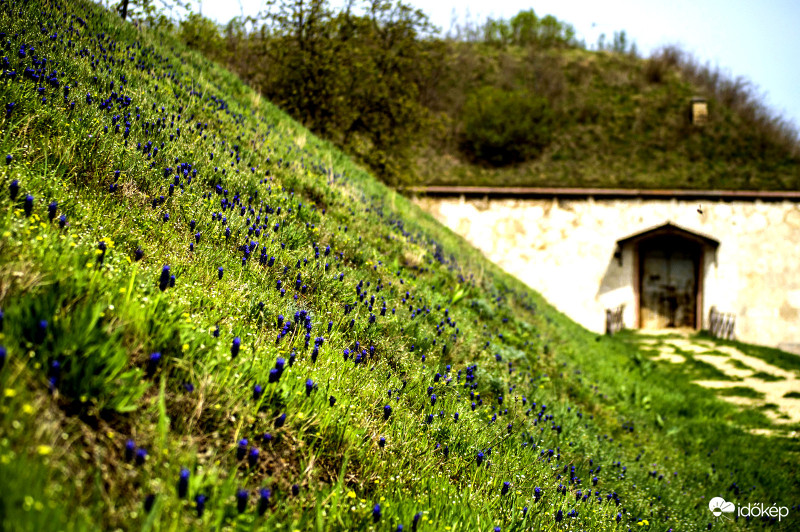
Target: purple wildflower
(183,483)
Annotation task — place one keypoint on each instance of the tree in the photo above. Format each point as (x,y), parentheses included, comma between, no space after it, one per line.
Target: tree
(147,13)
(122,9)
(351,76)
(527,29)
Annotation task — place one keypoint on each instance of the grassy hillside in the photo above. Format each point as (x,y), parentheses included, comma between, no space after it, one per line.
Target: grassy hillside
(211,319)
(516,102)
(617,120)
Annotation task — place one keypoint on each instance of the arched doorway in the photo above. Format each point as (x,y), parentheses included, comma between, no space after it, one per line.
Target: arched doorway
(669,281)
(667,275)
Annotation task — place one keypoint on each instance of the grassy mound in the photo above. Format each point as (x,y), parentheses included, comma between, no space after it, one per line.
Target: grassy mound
(213,320)
(620,121)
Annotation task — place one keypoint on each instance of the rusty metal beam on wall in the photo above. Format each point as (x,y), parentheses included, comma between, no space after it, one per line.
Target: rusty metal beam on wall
(538,192)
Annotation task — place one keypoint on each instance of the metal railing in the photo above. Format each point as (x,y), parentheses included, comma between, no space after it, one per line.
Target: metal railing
(614,322)
(720,324)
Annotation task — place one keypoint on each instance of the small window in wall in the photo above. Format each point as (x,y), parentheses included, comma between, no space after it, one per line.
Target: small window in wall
(699,111)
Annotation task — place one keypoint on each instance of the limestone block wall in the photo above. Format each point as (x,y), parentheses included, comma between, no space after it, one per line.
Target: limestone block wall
(564,249)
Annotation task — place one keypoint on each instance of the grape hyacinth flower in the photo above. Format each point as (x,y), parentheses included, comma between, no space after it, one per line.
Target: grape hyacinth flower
(183,483)
(504,489)
(200,504)
(220,271)
(152,363)
(382,442)
(295,490)
(252,457)
(241,500)
(13,189)
(309,387)
(28,205)
(280,421)
(149,501)
(163,281)
(130,448)
(263,500)
(376,513)
(41,331)
(479,458)
(331,399)
(235,346)
(141,456)
(241,449)
(387,411)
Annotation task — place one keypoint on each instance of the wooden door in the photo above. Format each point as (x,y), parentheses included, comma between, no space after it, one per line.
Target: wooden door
(668,273)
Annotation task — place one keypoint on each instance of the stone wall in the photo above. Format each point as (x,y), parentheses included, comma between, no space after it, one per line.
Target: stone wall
(564,249)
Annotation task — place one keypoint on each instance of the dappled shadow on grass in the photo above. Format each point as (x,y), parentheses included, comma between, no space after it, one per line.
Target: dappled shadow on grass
(776,357)
(741,391)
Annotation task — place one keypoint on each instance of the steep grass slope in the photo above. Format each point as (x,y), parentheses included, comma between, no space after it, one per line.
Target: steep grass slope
(213,320)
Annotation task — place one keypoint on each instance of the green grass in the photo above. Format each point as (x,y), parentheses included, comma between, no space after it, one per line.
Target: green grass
(738,364)
(767,377)
(691,367)
(700,370)
(776,357)
(741,391)
(77,388)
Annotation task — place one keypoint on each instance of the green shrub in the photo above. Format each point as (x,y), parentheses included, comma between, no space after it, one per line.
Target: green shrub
(505,127)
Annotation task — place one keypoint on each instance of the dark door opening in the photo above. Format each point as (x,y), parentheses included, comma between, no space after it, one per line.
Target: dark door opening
(668,282)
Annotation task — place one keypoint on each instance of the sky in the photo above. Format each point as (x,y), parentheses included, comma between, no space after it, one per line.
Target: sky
(756,40)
